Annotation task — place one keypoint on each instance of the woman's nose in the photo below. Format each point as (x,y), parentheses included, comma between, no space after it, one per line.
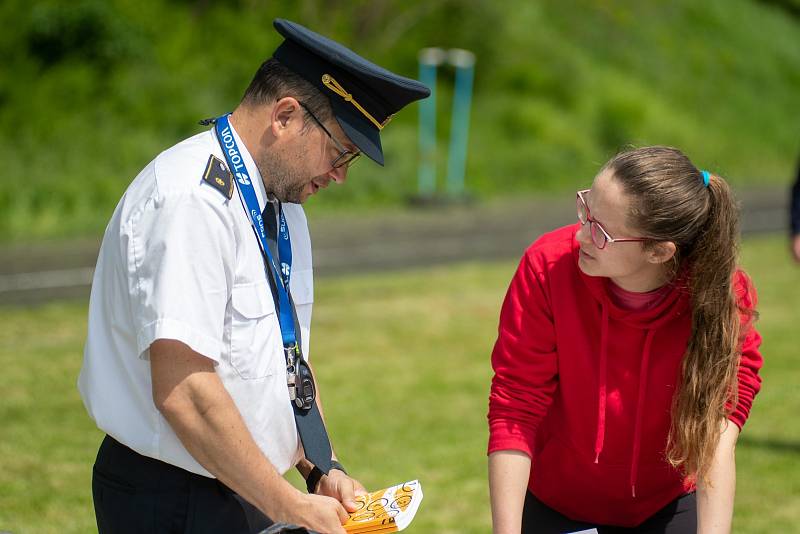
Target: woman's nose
(584,234)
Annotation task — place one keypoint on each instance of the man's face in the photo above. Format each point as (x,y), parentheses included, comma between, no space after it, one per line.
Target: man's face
(302,165)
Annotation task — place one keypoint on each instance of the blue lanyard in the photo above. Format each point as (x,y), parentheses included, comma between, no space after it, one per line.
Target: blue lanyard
(248,197)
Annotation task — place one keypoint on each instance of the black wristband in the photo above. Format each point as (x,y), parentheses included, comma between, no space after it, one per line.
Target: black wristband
(339,467)
(315,475)
(313,479)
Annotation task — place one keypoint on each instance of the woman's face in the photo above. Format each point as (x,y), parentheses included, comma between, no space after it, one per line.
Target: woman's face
(628,264)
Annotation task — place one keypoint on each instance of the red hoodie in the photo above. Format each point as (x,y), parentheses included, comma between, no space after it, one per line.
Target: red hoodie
(584,387)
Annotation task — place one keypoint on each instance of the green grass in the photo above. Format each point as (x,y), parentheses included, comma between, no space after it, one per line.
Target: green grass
(403,361)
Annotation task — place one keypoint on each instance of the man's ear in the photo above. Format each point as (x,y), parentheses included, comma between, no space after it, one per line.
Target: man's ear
(286,116)
(661,252)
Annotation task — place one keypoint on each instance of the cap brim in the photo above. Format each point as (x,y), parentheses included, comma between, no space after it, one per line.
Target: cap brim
(362,134)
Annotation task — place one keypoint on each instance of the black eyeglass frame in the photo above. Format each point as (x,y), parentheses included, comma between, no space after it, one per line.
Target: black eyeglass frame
(346,157)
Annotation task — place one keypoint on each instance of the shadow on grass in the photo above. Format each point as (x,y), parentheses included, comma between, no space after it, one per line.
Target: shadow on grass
(775,445)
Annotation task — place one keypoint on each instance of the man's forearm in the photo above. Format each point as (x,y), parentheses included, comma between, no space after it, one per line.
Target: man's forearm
(206,420)
(715,495)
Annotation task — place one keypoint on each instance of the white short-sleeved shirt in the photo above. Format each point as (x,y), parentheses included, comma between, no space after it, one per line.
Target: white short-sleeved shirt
(180,261)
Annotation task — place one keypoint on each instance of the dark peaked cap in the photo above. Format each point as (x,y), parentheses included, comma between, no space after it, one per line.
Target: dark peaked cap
(363,95)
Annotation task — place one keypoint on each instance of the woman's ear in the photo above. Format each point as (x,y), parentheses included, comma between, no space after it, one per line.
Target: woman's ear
(661,252)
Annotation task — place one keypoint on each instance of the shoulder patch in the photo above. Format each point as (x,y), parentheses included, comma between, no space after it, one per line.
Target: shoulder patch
(218,176)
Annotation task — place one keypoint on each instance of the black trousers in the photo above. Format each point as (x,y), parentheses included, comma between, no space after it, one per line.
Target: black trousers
(678,517)
(136,494)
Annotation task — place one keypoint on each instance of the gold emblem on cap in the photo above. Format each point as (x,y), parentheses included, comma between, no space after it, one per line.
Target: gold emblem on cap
(336,87)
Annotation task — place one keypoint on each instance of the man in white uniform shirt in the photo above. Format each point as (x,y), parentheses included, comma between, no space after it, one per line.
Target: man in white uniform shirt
(190,367)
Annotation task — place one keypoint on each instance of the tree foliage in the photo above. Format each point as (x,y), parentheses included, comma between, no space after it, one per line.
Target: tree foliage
(92,89)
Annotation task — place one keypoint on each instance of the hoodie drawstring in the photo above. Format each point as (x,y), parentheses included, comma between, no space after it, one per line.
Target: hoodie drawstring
(637,429)
(601,398)
(601,390)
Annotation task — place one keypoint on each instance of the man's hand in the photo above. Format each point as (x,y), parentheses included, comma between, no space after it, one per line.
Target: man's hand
(315,512)
(341,487)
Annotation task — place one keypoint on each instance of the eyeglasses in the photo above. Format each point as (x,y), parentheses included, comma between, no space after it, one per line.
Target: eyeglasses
(599,235)
(346,157)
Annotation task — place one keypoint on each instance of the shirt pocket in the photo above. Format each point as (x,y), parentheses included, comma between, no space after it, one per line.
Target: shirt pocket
(255,331)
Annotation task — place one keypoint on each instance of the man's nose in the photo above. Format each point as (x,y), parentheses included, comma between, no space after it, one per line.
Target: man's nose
(339,174)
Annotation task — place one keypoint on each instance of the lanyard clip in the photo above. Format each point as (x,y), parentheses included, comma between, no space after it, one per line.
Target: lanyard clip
(291,383)
(291,352)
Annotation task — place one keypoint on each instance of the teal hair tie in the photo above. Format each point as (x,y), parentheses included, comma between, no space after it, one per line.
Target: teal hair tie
(706,177)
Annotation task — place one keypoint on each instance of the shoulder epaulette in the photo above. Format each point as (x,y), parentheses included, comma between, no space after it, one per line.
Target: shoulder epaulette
(218,176)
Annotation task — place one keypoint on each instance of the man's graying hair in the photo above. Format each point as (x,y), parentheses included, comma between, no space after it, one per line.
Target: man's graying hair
(274,81)
(669,202)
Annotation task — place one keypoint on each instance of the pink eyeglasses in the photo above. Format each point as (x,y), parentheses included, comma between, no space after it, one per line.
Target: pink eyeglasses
(599,235)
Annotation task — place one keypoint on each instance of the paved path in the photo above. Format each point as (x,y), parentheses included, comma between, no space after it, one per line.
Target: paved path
(377,241)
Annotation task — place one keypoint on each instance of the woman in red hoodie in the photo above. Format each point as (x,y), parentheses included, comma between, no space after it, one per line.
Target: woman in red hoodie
(626,361)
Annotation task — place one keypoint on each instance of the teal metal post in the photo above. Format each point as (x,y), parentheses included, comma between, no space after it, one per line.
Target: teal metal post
(429,61)
(464,62)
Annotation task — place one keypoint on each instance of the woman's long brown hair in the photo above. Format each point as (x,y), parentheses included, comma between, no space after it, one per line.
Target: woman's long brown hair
(670,202)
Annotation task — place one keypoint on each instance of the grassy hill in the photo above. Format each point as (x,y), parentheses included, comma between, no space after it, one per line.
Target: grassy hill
(91,90)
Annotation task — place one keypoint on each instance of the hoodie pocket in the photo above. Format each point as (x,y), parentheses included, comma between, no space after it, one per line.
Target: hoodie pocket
(571,482)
